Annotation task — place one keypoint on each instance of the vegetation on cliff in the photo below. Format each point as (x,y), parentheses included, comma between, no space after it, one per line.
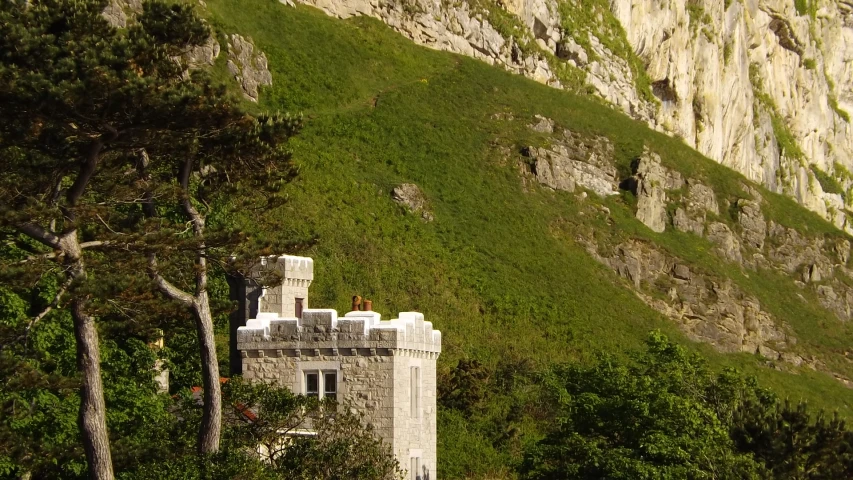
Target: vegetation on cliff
(525,310)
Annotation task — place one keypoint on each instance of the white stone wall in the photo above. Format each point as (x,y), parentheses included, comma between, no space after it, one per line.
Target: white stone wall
(365,382)
(373,359)
(281,299)
(415,432)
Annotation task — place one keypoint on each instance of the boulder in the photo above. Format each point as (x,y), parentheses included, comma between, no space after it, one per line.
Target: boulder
(410,196)
(203,55)
(542,124)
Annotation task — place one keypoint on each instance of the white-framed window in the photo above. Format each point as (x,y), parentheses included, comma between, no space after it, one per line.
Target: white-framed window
(415,391)
(320,384)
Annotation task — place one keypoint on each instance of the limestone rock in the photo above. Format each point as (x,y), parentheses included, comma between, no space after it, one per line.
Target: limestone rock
(575,160)
(117,12)
(708,309)
(709,72)
(702,197)
(753,223)
(842,250)
(248,67)
(727,243)
(837,299)
(683,222)
(701,200)
(203,55)
(652,181)
(114,14)
(410,195)
(791,250)
(542,124)
(568,49)
(719,66)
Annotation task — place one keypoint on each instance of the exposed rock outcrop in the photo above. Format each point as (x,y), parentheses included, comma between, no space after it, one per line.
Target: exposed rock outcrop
(575,161)
(652,182)
(410,196)
(247,66)
(708,309)
(119,13)
(726,242)
(791,252)
(752,221)
(542,124)
(203,55)
(700,201)
(742,72)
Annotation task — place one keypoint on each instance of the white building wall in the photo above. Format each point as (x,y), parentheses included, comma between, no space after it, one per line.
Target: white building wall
(415,426)
(374,360)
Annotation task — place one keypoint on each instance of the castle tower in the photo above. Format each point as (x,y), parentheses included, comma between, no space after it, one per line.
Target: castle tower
(386,369)
(286,298)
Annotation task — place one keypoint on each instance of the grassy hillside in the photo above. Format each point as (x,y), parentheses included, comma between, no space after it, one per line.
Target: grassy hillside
(498,270)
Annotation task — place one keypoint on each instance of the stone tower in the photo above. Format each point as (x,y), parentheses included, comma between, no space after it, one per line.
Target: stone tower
(384,368)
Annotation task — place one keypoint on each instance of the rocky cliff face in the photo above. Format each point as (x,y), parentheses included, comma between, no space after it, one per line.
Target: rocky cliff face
(755,84)
(709,306)
(762,86)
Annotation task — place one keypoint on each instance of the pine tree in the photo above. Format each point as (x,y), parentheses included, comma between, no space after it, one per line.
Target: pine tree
(103,136)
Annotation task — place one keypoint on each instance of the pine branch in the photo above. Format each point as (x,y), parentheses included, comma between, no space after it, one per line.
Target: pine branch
(165,286)
(51,306)
(83,246)
(40,234)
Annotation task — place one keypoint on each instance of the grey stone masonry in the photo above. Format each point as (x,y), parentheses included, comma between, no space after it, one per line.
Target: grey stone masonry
(295,274)
(385,369)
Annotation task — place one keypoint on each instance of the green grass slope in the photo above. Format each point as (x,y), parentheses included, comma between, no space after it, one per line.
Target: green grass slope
(498,270)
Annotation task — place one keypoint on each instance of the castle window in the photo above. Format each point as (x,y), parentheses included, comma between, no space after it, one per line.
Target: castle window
(321,384)
(330,385)
(312,384)
(415,390)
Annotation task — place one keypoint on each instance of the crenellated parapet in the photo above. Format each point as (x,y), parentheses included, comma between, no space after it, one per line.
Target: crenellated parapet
(320,332)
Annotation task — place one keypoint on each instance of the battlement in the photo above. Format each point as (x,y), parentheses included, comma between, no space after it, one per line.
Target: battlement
(320,332)
(290,267)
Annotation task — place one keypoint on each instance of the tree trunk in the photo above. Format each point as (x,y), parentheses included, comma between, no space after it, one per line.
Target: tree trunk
(93,423)
(211,420)
(92,420)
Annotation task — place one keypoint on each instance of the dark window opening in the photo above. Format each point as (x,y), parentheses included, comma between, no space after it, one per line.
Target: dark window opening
(312,385)
(330,385)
